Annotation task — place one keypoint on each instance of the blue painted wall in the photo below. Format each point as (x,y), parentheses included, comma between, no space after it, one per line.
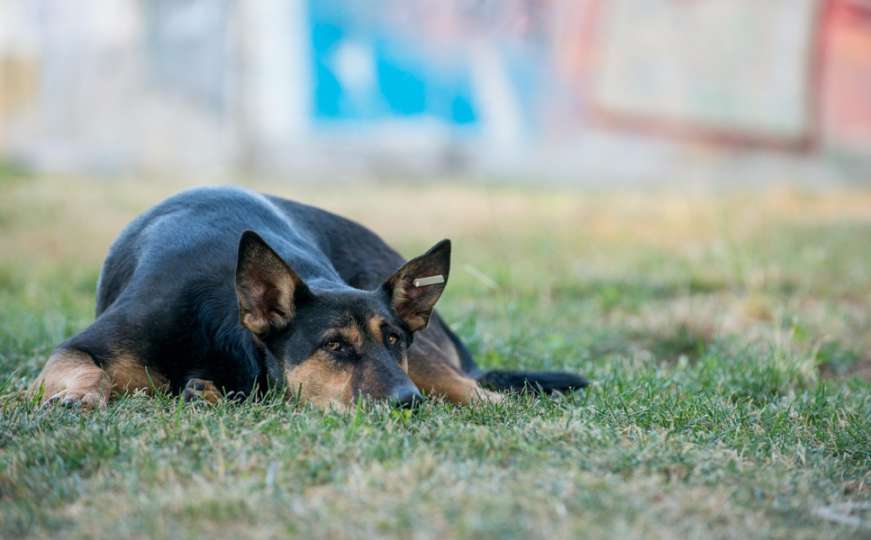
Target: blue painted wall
(404,82)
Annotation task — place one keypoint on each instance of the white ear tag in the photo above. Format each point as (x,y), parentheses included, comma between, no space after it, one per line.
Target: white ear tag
(429,280)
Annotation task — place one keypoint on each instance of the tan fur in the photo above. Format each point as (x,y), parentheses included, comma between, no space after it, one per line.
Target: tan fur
(256,316)
(317,380)
(434,367)
(432,364)
(415,320)
(440,379)
(402,302)
(201,389)
(374,325)
(129,374)
(73,377)
(436,346)
(265,287)
(352,334)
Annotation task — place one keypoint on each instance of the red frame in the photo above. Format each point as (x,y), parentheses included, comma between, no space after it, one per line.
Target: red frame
(681,129)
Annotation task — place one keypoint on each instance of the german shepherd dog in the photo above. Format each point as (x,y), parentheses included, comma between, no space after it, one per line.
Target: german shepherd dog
(224,292)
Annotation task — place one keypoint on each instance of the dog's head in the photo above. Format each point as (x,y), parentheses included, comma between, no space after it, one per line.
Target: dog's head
(332,346)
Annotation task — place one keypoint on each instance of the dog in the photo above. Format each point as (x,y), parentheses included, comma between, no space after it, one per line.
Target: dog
(224,292)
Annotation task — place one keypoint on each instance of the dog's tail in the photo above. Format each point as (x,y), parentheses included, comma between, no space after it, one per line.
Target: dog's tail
(546,382)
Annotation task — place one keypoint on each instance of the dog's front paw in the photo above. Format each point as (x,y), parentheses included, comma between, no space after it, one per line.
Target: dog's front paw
(201,390)
(78,400)
(488,396)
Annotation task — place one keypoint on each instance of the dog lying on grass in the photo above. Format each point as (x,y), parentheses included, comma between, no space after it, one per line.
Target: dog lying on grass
(223,291)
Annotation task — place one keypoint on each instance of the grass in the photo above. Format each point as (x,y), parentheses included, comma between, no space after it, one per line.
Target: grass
(727,335)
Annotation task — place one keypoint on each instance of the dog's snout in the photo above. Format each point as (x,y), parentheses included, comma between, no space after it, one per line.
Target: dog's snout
(406,396)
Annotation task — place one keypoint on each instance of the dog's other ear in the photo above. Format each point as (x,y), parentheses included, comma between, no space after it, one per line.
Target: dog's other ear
(266,287)
(416,287)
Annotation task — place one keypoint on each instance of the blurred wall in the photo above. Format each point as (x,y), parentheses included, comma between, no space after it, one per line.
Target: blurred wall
(627,89)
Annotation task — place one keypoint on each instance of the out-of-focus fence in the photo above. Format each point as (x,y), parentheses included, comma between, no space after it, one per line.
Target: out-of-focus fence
(576,88)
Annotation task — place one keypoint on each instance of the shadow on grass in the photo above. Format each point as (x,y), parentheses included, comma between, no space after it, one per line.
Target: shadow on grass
(668,346)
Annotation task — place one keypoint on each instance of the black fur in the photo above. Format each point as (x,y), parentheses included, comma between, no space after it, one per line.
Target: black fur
(546,382)
(167,293)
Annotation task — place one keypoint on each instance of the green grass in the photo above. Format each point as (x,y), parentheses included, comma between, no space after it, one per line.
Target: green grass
(730,397)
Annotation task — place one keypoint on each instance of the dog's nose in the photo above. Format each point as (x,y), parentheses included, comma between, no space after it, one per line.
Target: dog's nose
(406,396)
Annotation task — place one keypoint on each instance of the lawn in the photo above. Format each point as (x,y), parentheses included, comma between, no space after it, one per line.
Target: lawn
(727,336)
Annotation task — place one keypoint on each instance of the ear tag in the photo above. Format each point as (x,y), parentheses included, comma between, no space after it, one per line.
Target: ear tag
(429,280)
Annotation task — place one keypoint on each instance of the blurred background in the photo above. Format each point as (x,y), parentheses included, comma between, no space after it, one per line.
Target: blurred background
(672,197)
(588,92)
(707,162)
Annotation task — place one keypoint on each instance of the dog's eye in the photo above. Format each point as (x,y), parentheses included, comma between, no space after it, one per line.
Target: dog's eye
(392,339)
(333,345)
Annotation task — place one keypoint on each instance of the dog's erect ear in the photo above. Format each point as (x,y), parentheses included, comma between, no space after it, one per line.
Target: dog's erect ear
(416,287)
(266,287)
